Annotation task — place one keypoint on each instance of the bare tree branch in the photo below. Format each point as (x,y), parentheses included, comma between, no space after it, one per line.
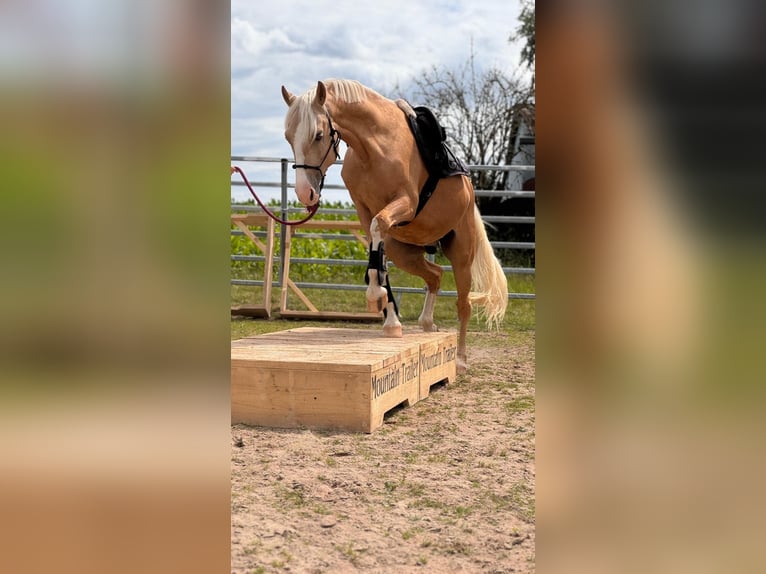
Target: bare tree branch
(479,111)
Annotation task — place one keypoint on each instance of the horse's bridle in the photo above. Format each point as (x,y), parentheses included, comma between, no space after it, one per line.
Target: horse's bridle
(335,137)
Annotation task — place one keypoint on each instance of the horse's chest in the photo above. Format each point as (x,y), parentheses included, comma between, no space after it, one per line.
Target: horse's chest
(375,188)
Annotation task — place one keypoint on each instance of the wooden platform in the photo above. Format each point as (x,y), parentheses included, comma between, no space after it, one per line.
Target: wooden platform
(334,379)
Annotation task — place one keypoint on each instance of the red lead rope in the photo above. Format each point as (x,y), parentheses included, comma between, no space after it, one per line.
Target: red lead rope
(312,210)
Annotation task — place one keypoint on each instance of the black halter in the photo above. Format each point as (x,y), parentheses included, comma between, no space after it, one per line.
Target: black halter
(335,137)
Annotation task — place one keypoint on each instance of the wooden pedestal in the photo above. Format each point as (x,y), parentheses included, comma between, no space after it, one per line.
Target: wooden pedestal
(336,379)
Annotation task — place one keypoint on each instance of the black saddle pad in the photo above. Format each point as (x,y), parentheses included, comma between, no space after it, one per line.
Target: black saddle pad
(430,137)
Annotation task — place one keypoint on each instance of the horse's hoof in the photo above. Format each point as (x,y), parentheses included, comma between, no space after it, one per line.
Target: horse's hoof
(392,331)
(462,367)
(429,327)
(377,305)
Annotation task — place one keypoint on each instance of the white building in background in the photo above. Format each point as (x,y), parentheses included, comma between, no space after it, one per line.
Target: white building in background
(523,151)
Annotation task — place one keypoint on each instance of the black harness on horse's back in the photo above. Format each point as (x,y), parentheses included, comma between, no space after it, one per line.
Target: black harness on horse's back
(439,159)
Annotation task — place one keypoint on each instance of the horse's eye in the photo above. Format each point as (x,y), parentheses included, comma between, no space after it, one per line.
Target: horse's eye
(319,136)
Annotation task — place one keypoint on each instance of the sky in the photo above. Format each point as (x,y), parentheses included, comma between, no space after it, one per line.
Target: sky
(382,44)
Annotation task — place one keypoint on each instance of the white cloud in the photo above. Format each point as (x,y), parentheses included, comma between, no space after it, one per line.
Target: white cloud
(249,44)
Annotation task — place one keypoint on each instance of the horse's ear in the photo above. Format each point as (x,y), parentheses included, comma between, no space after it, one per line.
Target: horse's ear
(288,97)
(321,94)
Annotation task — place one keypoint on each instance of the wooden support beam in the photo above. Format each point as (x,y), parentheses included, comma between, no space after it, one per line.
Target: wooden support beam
(244,221)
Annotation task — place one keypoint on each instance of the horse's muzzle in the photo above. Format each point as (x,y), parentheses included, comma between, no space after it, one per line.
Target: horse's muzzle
(306,185)
(307,197)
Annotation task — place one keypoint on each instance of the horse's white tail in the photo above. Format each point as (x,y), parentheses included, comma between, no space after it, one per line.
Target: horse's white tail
(489,287)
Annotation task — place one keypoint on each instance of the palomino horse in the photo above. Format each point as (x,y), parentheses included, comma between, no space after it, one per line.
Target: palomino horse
(384,173)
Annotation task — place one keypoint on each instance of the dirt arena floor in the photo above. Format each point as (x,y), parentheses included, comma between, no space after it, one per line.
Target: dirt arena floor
(446,485)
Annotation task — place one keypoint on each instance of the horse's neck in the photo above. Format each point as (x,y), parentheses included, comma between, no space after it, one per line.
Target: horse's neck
(362,124)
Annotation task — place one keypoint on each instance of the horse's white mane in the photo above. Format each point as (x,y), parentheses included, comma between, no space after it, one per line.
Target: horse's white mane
(348,91)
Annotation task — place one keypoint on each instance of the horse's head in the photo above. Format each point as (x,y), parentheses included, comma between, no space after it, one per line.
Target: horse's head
(309,130)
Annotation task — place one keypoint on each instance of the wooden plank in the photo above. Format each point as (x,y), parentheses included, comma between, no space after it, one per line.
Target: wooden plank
(320,349)
(259,311)
(268,277)
(301,295)
(254,219)
(362,239)
(285,270)
(330,315)
(276,397)
(337,225)
(254,238)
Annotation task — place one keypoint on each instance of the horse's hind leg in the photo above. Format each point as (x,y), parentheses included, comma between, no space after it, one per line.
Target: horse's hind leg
(410,258)
(459,248)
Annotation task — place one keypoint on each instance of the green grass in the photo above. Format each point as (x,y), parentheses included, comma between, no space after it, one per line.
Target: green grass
(410,532)
(522,500)
(321,509)
(291,497)
(390,486)
(519,404)
(520,315)
(348,551)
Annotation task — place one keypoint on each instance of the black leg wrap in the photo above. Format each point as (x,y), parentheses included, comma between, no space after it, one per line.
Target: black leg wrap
(377,263)
(390,294)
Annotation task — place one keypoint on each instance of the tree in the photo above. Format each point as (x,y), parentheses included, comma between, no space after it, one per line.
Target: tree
(480,111)
(526,32)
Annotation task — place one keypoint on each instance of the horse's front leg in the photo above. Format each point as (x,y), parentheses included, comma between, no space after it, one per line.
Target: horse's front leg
(379,294)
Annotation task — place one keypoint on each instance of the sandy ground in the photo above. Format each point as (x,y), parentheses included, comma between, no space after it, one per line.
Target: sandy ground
(446,485)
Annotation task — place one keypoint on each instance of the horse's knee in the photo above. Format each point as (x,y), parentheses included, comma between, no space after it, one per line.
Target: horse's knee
(376,235)
(434,281)
(382,223)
